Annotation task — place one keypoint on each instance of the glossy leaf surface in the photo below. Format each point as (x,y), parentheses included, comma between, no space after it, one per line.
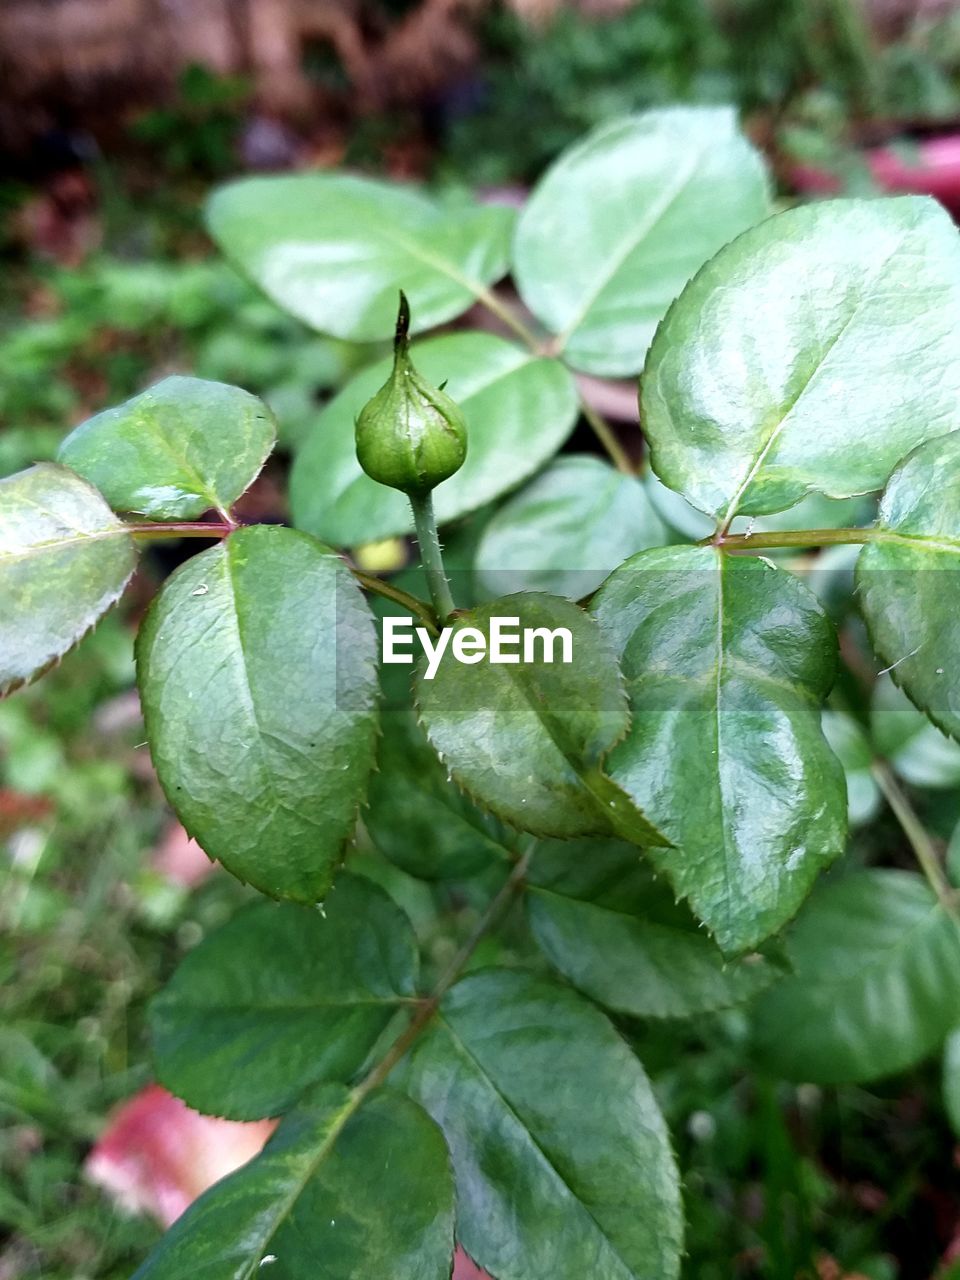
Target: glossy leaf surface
(179,448)
(519,410)
(418,817)
(726,661)
(333,249)
(909,585)
(567,530)
(562,1160)
(283,997)
(615,931)
(810,354)
(615,229)
(874,987)
(527,741)
(64,560)
(256,666)
(338,1192)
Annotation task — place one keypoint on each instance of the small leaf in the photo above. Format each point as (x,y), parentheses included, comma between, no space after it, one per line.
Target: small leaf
(256,666)
(283,997)
(567,530)
(333,249)
(611,928)
(519,410)
(562,1159)
(615,229)
(726,661)
(874,987)
(850,745)
(176,450)
(527,740)
(903,736)
(909,583)
(355,1191)
(64,560)
(810,354)
(418,818)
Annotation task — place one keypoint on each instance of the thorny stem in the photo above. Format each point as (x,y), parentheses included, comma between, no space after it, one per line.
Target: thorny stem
(601,428)
(371,582)
(431,556)
(495,908)
(917,837)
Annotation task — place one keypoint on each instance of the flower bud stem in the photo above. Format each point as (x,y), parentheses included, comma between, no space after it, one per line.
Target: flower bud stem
(430,555)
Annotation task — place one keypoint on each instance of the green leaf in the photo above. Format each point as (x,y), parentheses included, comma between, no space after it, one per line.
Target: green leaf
(527,741)
(340,1190)
(726,661)
(567,530)
(176,450)
(909,583)
(810,354)
(333,249)
(850,745)
(283,997)
(903,736)
(257,674)
(614,930)
(953,857)
(519,411)
(874,987)
(64,560)
(951,1080)
(418,818)
(615,229)
(562,1159)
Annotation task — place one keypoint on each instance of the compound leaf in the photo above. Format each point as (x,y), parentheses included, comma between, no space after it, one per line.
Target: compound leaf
(614,930)
(909,583)
(874,987)
(256,666)
(618,225)
(726,661)
(340,1190)
(283,997)
(527,738)
(176,450)
(562,1160)
(812,353)
(64,560)
(519,410)
(333,249)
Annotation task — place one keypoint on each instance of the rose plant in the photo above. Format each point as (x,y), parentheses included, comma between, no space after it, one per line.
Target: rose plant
(663,805)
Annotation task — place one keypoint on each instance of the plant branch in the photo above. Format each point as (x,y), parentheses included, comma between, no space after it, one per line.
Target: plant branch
(370,582)
(601,428)
(495,908)
(497,307)
(188,529)
(917,837)
(607,437)
(790,538)
(430,554)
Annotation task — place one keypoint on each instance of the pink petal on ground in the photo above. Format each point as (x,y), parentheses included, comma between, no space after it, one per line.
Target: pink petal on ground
(465,1269)
(179,859)
(157,1155)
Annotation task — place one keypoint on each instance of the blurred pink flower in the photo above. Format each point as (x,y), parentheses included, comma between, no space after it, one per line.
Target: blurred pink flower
(179,859)
(157,1155)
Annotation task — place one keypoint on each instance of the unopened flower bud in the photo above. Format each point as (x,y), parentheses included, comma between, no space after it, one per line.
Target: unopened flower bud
(410,435)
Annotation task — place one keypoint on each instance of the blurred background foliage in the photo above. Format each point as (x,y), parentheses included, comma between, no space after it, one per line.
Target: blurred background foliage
(108,282)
